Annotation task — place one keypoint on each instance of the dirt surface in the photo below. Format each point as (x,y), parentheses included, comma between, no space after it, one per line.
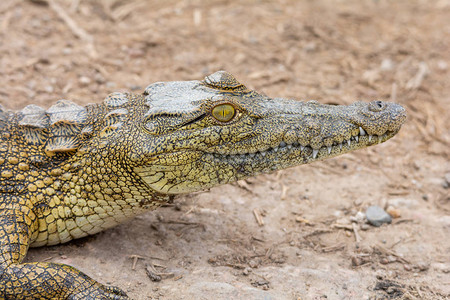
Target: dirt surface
(209,245)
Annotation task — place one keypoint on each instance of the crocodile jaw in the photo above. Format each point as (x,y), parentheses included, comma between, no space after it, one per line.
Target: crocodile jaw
(288,155)
(205,169)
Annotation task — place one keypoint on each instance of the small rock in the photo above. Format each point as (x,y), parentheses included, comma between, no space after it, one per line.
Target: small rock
(365,249)
(49,89)
(99,78)
(364,227)
(442,65)
(417,183)
(110,84)
(360,217)
(393,212)
(358,202)
(84,80)
(67,51)
(422,266)
(376,216)
(337,213)
(384,261)
(253,263)
(387,64)
(356,261)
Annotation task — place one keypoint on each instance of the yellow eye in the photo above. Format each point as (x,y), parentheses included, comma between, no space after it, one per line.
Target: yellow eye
(223,112)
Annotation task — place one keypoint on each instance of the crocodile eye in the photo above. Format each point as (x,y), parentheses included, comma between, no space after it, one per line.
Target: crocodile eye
(223,112)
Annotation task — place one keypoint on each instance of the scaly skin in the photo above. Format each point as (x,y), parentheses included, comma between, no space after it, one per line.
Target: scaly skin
(73,171)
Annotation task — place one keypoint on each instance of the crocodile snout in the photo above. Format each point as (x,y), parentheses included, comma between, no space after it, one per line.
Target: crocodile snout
(379,117)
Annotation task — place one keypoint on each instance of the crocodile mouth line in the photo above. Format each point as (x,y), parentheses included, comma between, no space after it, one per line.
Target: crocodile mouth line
(361,140)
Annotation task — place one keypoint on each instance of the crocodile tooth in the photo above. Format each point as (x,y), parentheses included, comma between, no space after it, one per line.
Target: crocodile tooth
(340,146)
(349,143)
(315,152)
(283,144)
(361,131)
(252,154)
(275,149)
(329,149)
(263,153)
(302,148)
(289,147)
(370,138)
(357,139)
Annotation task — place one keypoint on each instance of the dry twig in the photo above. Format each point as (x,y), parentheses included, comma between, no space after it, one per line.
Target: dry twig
(258,217)
(355,231)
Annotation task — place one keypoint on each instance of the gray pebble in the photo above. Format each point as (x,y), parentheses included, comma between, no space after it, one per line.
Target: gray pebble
(376,216)
(364,227)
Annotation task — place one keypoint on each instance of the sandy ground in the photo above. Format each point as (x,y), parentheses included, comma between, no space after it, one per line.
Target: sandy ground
(209,245)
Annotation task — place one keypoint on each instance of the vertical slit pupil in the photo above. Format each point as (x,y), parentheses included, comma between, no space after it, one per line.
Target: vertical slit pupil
(223,112)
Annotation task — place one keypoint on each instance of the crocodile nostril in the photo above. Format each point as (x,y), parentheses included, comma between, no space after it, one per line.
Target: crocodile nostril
(377,105)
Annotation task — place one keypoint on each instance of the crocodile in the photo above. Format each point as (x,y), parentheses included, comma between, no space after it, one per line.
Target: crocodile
(72,171)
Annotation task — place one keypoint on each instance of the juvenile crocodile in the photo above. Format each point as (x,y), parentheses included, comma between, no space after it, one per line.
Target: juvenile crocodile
(72,171)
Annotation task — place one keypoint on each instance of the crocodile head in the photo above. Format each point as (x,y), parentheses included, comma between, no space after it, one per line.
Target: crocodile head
(199,134)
